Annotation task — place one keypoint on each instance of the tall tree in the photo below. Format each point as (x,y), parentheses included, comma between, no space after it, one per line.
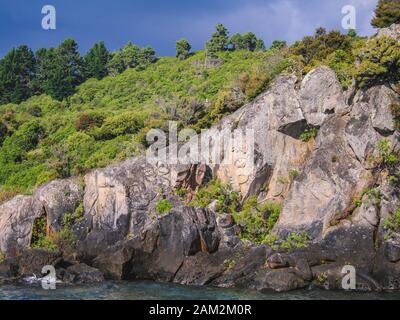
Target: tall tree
(16,74)
(96,61)
(131,56)
(59,70)
(260,45)
(278,44)
(247,41)
(219,40)
(387,12)
(183,48)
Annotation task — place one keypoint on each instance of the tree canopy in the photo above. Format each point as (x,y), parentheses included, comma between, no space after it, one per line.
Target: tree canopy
(387,12)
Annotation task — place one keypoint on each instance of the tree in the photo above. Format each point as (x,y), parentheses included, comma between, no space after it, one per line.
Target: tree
(219,40)
(277,44)
(131,56)
(247,41)
(379,62)
(320,32)
(387,12)
(260,45)
(59,70)
(16,75)
(183,48)
(96,61)
(352,33)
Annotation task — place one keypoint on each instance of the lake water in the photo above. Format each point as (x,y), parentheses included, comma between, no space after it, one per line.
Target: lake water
(143,290)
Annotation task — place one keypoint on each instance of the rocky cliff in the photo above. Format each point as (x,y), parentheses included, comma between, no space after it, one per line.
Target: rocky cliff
(341,196)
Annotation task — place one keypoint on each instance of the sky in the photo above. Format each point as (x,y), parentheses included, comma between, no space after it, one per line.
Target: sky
(159,23)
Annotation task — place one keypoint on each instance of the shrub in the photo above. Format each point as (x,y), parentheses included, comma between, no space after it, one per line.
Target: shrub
(163,206)
(88,121)
(2,257)
(308,134)
(125,123)
(227,200)
(296,241)
(379,62)
(6,194)
(257,220)
(386,13)
(392,224)
(386,157)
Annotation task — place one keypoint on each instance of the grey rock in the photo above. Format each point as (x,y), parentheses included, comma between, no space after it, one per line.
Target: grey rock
(320,95)
(82,274)
(393,31)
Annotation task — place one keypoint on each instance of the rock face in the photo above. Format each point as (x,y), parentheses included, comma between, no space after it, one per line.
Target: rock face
(340,196)
(393,31)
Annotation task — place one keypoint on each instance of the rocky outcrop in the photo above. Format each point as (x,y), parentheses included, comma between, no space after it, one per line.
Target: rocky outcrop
(123,234)
(393,32)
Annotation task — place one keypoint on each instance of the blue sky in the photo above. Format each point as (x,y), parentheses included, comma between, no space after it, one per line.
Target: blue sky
(159,23)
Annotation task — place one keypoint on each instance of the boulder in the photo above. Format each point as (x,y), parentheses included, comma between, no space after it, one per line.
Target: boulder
(82,274)
(321,95)
(32,261)
(393,31)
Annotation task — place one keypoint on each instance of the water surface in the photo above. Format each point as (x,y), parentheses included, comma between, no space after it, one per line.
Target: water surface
(143,290)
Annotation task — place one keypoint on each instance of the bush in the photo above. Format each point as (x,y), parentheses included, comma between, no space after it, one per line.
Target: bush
(296,241)
(88,121)
(164,206)
(308,134)
(257,220)
(227,200)
(125,123)
(379,62)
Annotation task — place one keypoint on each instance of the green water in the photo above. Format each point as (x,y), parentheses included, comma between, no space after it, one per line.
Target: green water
(152,291)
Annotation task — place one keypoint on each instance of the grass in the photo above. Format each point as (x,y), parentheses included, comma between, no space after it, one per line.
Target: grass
(164,206)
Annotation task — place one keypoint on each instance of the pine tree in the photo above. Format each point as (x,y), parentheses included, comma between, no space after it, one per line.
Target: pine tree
(59,70)
(16,74)
(96,61)
(278,44)
(219,40)
(183,48)
(260,45)
(131,56)
(387,12)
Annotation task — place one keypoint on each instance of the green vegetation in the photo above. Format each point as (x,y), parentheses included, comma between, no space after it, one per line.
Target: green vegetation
(96,61)
(387,12)
(296,241)
(379,62)
(106,120)
(308,134)
(392,224)
(227,200)
(257,220)
(183,48)
(163,206)
(2,257)
(40,239)
(62,240)
(219,41)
